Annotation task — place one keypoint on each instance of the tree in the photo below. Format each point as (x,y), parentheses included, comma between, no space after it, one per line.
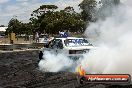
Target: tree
(18,27)
(46,19)
(2,25)
(38,16)
(69,9)
(50,21)
(13,26)
(88,8)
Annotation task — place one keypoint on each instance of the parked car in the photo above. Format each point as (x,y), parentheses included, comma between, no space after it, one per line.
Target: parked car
(43,38)
(70,46)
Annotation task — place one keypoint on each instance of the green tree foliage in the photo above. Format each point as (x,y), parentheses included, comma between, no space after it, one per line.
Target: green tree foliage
(2,25)
(13,26)
(38,15)
(88,9)
(48,19)
(18,27)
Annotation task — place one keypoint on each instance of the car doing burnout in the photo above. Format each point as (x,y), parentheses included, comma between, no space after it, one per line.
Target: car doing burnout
(70,46)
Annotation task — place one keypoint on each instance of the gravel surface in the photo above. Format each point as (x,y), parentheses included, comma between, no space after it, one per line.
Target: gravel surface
(20,70)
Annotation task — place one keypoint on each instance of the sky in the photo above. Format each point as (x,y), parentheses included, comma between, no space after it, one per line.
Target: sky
(21,9)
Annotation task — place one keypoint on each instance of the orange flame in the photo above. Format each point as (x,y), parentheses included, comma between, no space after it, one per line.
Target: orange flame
(81,71)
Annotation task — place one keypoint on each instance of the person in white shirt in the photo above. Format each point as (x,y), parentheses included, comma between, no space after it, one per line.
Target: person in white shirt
(37,37)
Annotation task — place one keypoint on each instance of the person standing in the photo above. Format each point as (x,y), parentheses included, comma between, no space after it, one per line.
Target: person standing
(37,37)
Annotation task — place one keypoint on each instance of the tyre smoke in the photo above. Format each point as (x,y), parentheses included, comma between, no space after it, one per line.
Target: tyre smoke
(113,38)
(55,62)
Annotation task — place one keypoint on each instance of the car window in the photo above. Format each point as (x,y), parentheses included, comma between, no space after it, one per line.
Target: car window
(56,44)
(60,44)
(76,42)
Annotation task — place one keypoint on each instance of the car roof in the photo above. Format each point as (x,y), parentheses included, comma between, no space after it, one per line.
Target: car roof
(69,38)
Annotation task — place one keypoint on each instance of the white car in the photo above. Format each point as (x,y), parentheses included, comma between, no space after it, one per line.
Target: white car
(70,46)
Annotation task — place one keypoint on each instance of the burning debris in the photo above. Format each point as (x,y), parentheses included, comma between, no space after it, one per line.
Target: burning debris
(81,71)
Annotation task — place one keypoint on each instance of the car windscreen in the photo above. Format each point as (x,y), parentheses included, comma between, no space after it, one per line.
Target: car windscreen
(76,42)
(56,43)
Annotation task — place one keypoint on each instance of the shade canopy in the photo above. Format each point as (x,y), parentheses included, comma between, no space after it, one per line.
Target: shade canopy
(3,29)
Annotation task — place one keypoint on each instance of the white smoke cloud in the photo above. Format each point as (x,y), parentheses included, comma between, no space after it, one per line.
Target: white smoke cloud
(55,63)
(4,1)
(113,38)
(114,52)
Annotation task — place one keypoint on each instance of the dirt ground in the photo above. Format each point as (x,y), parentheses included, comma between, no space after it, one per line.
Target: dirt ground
(20,70)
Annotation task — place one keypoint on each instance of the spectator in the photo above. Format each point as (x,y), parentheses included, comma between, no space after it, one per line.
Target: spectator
(37,37)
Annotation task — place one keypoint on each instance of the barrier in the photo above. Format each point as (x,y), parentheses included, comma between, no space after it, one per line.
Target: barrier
(37,45)
(22,46)
(11,47)
(7,47)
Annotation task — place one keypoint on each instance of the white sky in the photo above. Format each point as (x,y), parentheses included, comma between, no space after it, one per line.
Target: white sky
(23,8)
